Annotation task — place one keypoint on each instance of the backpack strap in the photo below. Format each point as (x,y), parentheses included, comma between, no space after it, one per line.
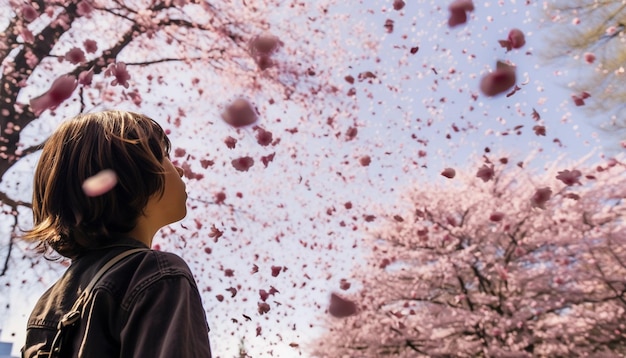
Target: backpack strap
(75,314)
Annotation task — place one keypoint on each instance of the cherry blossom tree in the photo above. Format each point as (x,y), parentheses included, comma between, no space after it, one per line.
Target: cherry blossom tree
(587,39)
(510,261)
(60,58)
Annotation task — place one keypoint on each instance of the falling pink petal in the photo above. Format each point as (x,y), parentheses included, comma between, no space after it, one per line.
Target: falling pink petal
(458,12)
(578,101)
(262,47)
(60,90)
(239,113)
(540,130)
(243,164)
(340,307)
(266,159)
(388,26)
(365,160)
(100,183)
(180,152)
(263,308)
(264,137)
(485,173)
(276,270)
(230,142)
(351,133)
(264,44)
(264,295)
(398,5)
(516,38)
(540,197)
(498,81)
(449,173)
(233,291)
(569,178)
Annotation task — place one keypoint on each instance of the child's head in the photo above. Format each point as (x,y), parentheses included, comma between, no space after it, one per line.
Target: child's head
(130,144)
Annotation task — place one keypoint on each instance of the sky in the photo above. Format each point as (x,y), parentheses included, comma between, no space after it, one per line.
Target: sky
(420,114)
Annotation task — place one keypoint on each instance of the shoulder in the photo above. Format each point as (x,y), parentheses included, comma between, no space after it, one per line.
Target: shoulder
(134,275)
(165,262)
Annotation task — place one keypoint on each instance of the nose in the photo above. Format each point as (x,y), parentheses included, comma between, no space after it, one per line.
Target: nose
(180,171)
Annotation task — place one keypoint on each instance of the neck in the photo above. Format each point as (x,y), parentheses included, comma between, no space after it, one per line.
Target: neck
(143,232)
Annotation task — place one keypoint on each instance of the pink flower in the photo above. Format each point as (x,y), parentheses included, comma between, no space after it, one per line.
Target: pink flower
(340,307)
(243,164)
(458,12)
(91,46)
(449,173)
(85,77)
(540,197)
(569,178)
(29,13)
(100,183)
(496,216)
(485,173)
(498,81)
(75,56)
(118,70)
(84,9)
(239,113)
(60,90)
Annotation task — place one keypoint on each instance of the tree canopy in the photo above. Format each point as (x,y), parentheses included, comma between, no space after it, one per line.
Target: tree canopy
(500,261)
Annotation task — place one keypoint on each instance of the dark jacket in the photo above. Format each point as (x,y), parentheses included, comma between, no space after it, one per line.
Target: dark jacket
(147,305)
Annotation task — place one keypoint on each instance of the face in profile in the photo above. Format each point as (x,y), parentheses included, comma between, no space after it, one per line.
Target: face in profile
(172,206)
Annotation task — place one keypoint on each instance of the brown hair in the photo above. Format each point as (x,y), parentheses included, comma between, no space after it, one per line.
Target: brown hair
(67,220)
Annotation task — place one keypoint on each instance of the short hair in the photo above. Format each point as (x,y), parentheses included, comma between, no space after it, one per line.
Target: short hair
(67,220)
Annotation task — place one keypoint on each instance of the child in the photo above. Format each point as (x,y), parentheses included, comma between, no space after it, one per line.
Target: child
(146,305)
